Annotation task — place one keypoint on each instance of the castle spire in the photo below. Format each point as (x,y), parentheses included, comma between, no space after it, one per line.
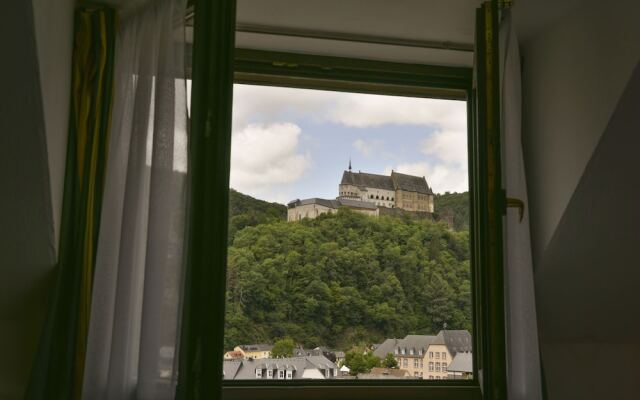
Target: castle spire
(349,164)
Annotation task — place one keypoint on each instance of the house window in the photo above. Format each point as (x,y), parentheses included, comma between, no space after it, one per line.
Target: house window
(289,374)
(444,367)
(437,367)
(327,373)
(415,363)
(405,362)
(430,376)
(411,351)
(431,354)
(444,356)
(280,374)
(430,366)
(416,374)
(269,374)
(437,354)
(259,373)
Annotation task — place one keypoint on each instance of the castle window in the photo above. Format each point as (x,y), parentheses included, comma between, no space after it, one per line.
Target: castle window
(371,196)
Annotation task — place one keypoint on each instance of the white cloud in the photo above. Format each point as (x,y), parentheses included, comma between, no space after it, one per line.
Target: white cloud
(266,158)
(263,155)
(367,147)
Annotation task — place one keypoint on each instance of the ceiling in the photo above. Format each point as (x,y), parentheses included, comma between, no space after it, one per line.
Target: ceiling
(439,22)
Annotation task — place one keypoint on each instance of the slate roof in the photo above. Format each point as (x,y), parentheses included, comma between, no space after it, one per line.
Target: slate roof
(457,341)
(410,183)
(367,180)
(396,181)
(410,342)
(462,362)
(246,369)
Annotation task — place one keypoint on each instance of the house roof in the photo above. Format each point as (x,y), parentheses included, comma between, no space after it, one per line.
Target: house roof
(462,362)
(410,342)
(247,368)
(396,181)
(457,341)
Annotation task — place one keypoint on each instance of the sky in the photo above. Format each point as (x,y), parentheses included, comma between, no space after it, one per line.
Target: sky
(296,143)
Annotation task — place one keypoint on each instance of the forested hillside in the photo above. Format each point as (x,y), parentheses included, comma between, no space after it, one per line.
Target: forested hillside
(341,280)
(456,204)
(247,211)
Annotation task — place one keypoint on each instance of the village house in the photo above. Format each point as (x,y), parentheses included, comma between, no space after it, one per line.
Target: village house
(427,356)
(307,367)
(258,351)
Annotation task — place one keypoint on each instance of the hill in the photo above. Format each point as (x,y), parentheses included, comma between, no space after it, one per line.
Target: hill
(344,279)
(456,205)
(247,211)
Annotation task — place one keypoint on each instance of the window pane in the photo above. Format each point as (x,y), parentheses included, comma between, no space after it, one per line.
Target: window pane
(348,237)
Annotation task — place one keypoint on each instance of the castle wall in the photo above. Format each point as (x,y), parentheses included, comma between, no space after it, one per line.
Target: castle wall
(307,211)
(412,201)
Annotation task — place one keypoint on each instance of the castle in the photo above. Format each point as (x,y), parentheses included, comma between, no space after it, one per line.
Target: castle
(370,194)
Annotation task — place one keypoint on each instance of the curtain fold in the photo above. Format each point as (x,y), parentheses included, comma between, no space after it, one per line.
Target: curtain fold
(58,368)
(523,360)
(134,327)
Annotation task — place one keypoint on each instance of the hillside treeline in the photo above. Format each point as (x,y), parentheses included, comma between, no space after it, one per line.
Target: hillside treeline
(345,279)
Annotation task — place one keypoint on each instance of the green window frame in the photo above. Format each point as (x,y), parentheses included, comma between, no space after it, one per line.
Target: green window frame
(216,66)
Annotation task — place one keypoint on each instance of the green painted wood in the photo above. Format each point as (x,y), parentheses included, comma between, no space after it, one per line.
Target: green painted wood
(201,350)
(488,197)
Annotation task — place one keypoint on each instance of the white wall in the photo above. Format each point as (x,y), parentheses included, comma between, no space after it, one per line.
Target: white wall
(574,71)
(54,40)
(33,114)
(581,96)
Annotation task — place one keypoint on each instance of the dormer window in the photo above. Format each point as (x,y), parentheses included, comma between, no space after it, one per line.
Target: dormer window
(289,374)
(411,351)
(269,374)
(259,373)
(281,374)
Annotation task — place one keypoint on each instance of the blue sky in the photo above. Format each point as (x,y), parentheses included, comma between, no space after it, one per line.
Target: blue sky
(296,143)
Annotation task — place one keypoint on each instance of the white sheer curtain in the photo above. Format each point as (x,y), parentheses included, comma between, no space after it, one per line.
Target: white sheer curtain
(135,311)
(523,359)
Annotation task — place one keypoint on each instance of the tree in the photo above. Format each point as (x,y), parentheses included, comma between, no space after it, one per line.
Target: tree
(360,363)
(283,348)
(389,361)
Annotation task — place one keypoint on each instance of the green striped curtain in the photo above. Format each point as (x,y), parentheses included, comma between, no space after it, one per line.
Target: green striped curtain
(59,365)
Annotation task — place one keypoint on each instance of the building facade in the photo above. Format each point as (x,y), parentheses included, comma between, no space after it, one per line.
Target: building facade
(312,208)
(367,194)
(408,192)
(257,351)
(307,367)
(427,356)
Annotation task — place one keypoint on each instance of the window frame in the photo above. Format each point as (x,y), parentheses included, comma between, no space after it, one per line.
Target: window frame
(374,77)
(214,73)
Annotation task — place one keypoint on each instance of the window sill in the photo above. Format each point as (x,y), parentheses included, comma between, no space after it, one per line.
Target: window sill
(353,391)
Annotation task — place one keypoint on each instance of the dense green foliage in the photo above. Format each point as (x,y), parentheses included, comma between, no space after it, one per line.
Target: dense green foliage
(456,205)
(359,363)
(389,361)
(346,279)
(246,211)
(283,348)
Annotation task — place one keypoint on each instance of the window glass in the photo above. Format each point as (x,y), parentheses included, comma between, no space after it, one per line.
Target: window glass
(322,276)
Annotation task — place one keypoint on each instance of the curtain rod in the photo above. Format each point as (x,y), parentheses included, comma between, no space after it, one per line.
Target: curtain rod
(349,37)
